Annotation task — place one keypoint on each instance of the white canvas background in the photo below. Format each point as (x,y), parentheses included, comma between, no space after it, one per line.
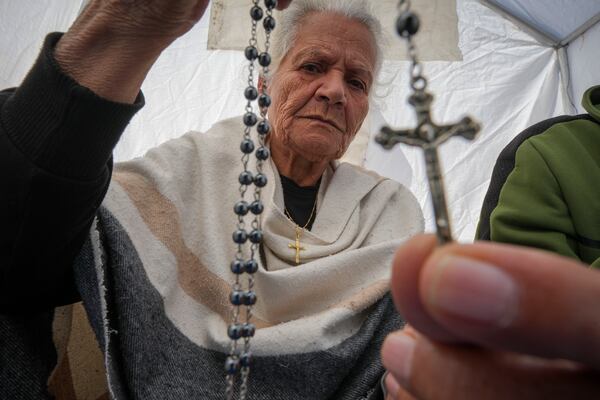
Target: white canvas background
(506,80)
(556,18)
(437,39)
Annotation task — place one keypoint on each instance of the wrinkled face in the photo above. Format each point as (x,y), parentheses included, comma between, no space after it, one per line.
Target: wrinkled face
(320,92)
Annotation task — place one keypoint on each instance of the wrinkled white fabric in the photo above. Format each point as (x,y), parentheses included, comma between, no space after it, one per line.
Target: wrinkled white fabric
(176,206)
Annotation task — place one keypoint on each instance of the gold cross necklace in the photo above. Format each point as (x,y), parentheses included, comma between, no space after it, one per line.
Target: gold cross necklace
(299,229)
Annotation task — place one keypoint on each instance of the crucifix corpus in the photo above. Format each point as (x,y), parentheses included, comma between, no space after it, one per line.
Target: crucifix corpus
(427,135)
(296,245)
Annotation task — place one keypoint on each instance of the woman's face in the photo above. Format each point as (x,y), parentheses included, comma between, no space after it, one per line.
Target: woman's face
(320,92)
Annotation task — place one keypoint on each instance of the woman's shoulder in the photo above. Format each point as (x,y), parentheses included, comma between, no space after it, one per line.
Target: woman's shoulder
(378,181)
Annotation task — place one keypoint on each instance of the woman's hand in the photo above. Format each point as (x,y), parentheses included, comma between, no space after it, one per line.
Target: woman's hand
(113,44)
(157,22)
(495,322)
(161,20)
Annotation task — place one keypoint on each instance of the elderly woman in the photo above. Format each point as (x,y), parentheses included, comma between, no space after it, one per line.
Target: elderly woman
(147,247)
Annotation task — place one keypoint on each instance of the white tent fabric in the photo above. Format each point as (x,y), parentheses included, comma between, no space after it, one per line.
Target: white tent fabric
(557,19)
(437,40)
(584,53)
(507,80)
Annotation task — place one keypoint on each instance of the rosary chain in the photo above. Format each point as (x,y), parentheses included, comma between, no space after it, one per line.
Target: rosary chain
(403,6)
(242,294)
(264,61)
(407,25)
(418,82)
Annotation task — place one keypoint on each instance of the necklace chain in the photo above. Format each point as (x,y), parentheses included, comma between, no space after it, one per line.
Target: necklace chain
(296,245)
(242,295)
(312,213)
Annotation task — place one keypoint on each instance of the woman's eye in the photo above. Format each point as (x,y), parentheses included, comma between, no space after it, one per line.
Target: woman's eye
(311,67)
(358,84)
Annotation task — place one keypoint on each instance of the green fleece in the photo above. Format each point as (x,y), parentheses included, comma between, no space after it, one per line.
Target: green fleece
(551,199)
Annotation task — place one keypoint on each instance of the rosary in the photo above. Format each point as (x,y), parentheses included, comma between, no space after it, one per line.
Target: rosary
(242,296)
(427,134)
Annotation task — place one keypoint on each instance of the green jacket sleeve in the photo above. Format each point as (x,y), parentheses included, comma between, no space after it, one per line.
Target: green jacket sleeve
(531,210)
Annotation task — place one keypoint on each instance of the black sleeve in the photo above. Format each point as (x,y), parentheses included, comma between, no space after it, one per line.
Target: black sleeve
(56,141)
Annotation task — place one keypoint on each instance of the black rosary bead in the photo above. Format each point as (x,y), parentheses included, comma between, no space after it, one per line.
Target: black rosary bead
(232,365)
(260,180)
(264,101)
(251,266)
(407,24)
(241,208)
(237,297)
(269,24)
(237,266)
(234,331)
(264,59)
(256,13)
(246,178)
(248,330)
(256,236)
(240,236)
(249,298)
(251,93)
(262,153)
(251,53)
(250,119)
(257,207)
(245,359)
(247,146)
(263,127)
(270,4)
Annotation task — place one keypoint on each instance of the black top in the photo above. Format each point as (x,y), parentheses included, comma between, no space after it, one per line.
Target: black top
(300,201)
(56,142)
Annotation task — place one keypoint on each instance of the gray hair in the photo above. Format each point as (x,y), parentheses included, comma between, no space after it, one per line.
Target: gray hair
(360,10)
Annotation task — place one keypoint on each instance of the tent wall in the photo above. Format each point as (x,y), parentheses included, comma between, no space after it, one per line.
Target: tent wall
(506,80)
(23,25)
(584,63)
(556,19)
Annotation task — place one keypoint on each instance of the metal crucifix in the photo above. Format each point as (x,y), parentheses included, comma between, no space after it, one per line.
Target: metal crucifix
(296,245)
(427,135)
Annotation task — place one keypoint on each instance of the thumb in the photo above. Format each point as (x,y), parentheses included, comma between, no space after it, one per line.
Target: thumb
(517,299)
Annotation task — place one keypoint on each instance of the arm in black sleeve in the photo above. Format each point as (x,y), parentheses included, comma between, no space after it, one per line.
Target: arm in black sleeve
(56,141)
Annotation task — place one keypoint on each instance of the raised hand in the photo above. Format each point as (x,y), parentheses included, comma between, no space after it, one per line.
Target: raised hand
(113,44)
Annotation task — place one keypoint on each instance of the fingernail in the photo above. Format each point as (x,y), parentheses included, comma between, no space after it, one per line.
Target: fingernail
(397,354)
(391,385)
(474,290)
